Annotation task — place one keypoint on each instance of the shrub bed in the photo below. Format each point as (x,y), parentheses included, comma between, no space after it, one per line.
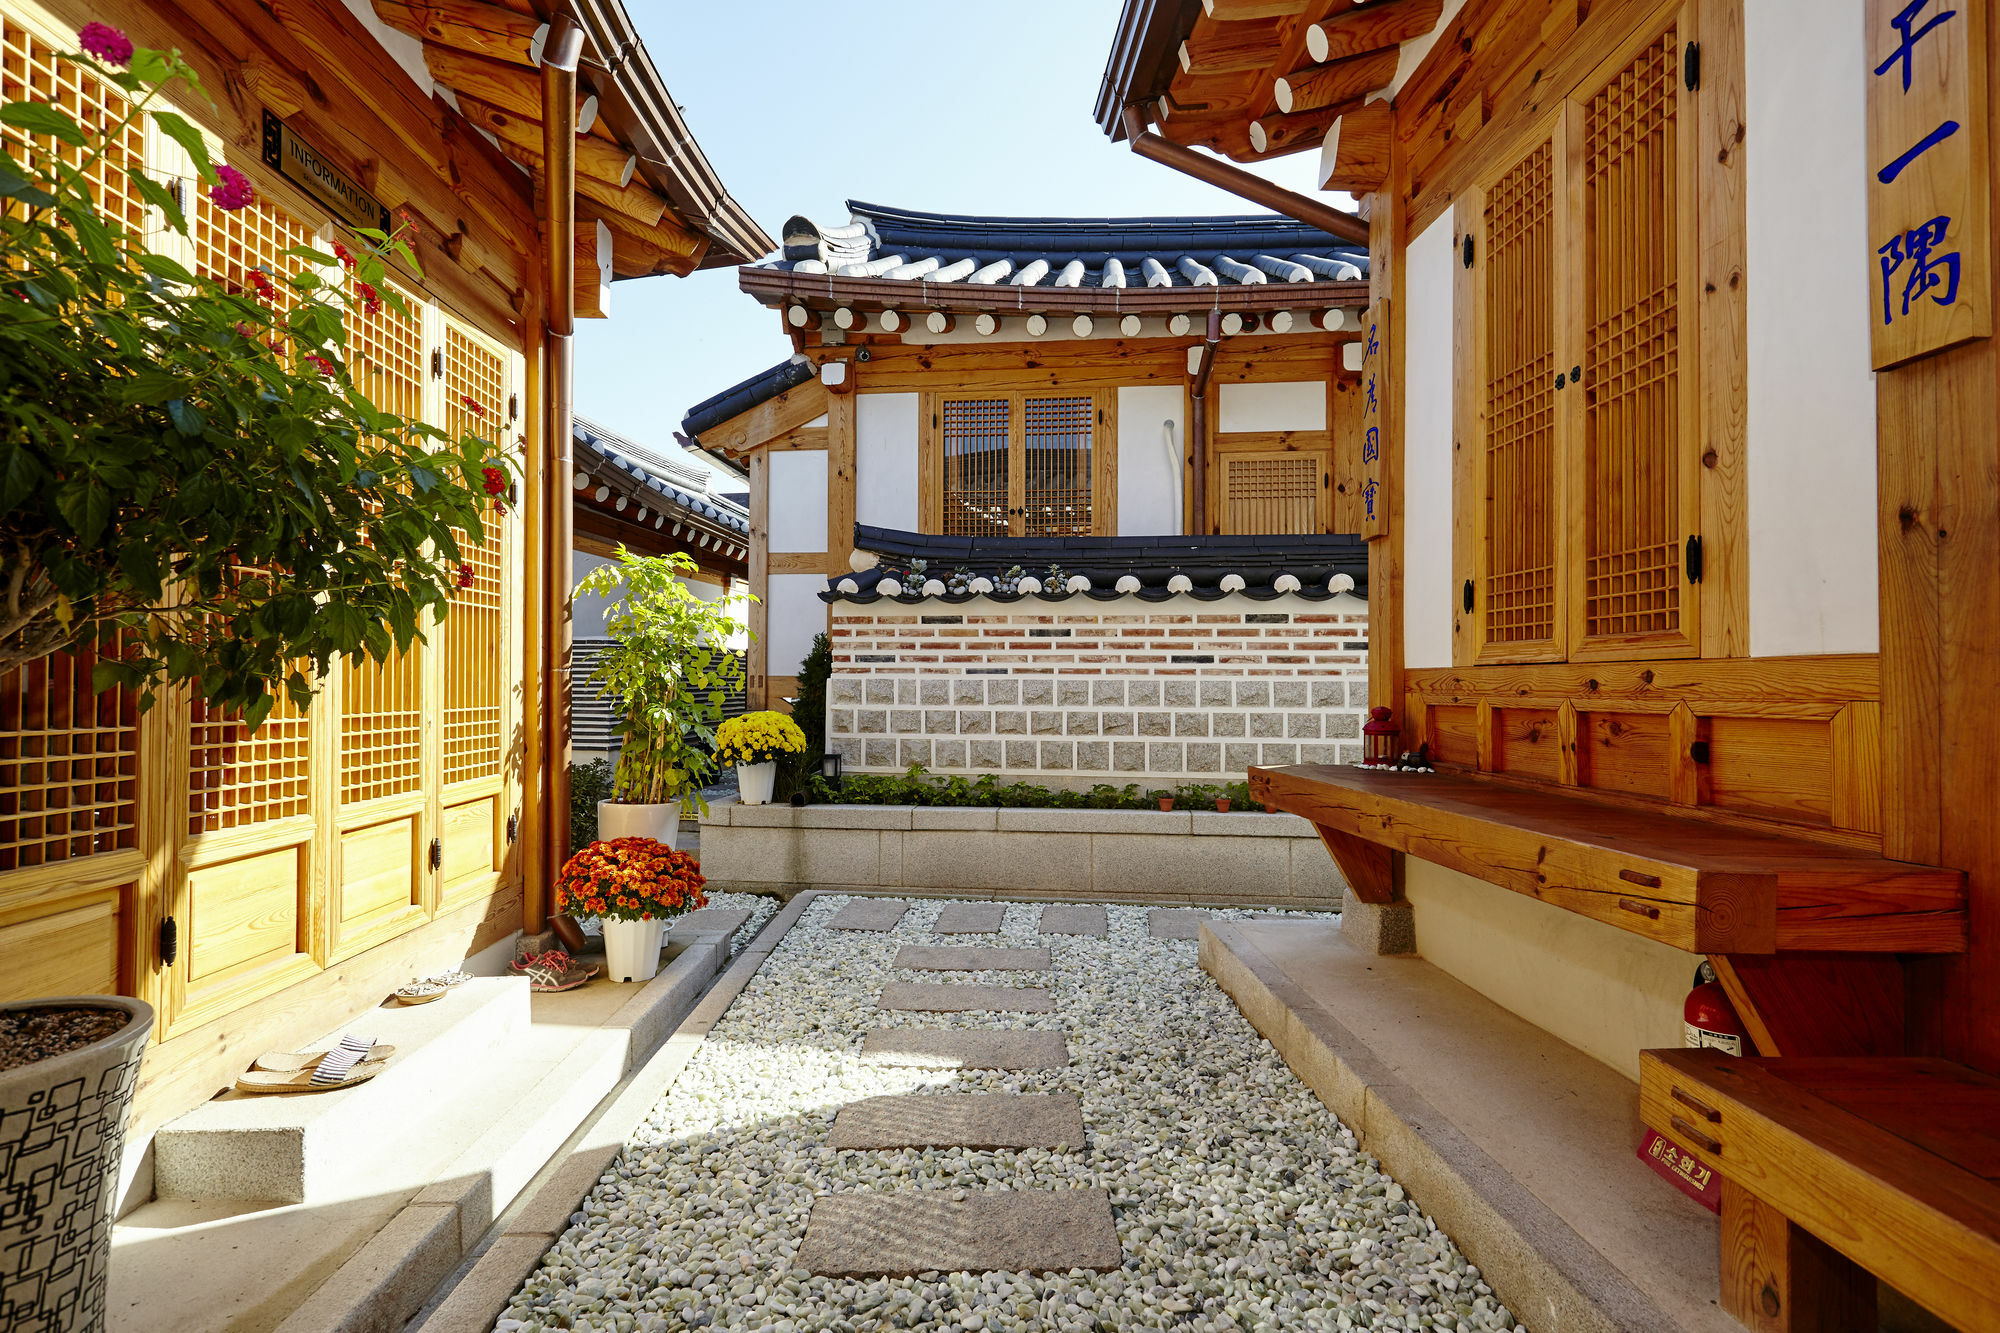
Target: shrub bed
(919,787)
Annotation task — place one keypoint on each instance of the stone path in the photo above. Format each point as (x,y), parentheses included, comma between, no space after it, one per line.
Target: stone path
(1073,919)
(869,914)
(970,919)
(708,921)
(932,997)
(1175,923)
(970,958)
(959,1048)
(896,1233)
(981,1120)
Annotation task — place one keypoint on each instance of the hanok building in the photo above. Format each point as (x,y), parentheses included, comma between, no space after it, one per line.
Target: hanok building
(259,890)
(1103,469)
(1684,572)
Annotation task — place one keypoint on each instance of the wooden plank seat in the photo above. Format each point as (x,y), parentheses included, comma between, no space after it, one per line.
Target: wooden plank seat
(1837,1169)
(1699,885)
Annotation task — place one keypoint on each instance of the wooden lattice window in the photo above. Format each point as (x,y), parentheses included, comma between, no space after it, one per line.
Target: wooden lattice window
(1272,492)
(69,763)
(1637,414)
(475,388)
(237,778)
(1518,459)
(1015,465)
(30,71)
(228,243)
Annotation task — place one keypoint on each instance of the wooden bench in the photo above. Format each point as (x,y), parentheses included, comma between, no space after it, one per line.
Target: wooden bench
(1834,1170)
(1699,885)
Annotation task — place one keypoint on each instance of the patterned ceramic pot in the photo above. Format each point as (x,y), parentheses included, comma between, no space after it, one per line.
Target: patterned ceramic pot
(62,1134)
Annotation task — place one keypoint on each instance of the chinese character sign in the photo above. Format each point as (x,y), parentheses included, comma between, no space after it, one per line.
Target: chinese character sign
(1374,390)
(1929,278)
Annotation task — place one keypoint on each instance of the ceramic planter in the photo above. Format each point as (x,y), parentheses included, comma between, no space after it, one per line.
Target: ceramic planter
(754,782)
(1222,805)
(625,819)
(62,1125)
(632,949)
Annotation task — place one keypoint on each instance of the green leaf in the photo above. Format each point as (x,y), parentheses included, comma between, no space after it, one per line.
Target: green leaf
(160,197)
(20,472)
(188,137)
(16,186)
(149,66)
(87,507)
(187,419)
(41,118)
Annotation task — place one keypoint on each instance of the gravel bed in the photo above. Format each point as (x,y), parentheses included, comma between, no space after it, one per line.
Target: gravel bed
(1241,1201)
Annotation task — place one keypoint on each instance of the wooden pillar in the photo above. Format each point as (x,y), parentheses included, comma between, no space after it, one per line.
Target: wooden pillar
(1388,233)
(840,478)
(1778,1278)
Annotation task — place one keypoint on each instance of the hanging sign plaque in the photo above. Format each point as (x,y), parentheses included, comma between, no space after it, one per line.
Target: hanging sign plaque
(1374,389)
(309,169)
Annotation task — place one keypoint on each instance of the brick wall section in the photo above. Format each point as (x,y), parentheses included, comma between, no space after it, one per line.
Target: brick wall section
(1115,691)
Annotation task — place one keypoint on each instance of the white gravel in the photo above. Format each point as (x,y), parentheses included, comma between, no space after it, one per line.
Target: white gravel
(1241,1201)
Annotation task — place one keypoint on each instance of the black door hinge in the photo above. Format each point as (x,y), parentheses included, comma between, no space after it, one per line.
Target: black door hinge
(1466,598)
(437,363)
(1694,560)
(170,942)
(1691,66)
(513,407)
(1466,252)
(437,853)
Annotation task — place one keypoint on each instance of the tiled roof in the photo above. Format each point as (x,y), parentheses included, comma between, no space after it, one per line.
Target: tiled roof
(684,484)
(746,394)
(956,569)
(898,243)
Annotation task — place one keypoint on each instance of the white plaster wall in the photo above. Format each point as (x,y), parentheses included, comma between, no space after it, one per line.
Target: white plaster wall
(1149,468)
(798,500)
(1427,499)
(1811,474)
(1290,405)
(1605,991)
(885,460)
(793,613)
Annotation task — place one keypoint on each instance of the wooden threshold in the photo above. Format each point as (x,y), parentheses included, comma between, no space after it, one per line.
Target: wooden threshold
(1699,886)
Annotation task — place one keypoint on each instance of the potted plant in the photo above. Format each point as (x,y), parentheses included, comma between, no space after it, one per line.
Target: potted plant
(753,743)
(1164,797)
(668,667)
(635,886)
(68,1065)
(1222,805)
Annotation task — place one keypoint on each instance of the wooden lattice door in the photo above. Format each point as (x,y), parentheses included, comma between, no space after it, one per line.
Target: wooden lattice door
(1631,161)
(1014,464)
(1262,490)
(976,443)
(1055,471)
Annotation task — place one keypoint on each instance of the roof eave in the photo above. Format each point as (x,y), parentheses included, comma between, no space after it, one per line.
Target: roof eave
(1144,50)
(821,291)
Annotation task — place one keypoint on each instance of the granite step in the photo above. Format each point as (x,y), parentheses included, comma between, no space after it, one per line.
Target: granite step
(970,958)
(960,1048)
(876,914)
(900,1233)
(1175,923)
(931,997)
(980,1121)
(970,919)
(1073,919)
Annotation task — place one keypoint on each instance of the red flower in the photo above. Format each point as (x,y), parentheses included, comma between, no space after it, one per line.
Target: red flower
(500,509)
(321,364)
(472,403)
(465,576)
(345,256)
(106,43)
(232,189)
(493,479)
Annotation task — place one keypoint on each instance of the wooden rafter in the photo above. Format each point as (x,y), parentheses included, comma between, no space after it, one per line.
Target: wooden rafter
(466,25)
(639,252)
(1355,153)
(599,158)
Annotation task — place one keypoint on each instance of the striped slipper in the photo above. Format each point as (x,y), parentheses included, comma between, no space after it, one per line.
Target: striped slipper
(335,1070)
(291,1062)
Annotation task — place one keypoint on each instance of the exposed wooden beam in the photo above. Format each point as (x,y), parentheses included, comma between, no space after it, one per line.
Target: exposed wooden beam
(1230,11)
(638,252)
(1276,135)
(598,158)
(1372,28)
(769,419)
(498,83)
(635,201)
(1314,86)
(594,270)
(1355,154)
(468,25)
(1222,48)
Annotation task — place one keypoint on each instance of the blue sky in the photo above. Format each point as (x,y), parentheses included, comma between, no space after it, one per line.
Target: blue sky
(928,104)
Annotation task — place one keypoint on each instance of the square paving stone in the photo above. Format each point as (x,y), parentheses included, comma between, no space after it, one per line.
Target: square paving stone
(960,1048)
(899,1233)
(708,921)
(869,914)
(1073,919)
(970,958)
(970,919)
(1175,923)
(980,1120)
(934,997)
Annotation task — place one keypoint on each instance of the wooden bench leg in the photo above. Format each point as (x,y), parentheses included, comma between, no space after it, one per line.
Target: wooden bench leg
(1778,1278)
(1369,867)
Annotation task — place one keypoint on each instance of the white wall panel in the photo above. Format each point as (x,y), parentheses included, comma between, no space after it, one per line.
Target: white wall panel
(1427,498)
(1149,468)
(798,500)
(1291,405)
(792,615)
(885,460)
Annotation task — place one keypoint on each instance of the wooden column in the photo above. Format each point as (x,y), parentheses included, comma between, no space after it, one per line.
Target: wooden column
(840,478)
(1777,1278)
(1388,234)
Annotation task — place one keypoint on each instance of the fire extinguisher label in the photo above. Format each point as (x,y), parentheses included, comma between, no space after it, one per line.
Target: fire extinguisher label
(1682,1169)
(1702,1038)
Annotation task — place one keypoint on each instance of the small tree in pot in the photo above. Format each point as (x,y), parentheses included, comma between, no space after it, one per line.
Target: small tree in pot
(669,669)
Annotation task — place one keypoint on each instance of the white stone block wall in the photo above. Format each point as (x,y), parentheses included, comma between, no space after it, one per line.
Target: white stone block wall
(1113,691)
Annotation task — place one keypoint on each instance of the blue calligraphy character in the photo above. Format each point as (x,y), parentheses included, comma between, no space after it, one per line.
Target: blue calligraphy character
(1368,496)
(1902,23)
(1927,268)
(1937,136)
(1371,393)
(1371,445)
(1374,344)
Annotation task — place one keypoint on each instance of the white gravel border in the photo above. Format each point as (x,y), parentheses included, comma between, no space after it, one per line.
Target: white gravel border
(1241,1201)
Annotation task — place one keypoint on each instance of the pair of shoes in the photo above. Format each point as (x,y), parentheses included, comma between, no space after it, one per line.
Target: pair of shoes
(431,988)
(553,971)
(353,1060)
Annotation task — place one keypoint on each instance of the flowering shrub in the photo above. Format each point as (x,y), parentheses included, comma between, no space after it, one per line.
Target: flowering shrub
(630,879)
(757,737)
(191,482)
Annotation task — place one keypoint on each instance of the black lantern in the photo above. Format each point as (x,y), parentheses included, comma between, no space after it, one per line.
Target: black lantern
(829,767)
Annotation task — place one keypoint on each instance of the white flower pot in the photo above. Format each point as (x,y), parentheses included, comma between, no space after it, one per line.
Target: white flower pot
(624,819)
(632,949)
(754,782)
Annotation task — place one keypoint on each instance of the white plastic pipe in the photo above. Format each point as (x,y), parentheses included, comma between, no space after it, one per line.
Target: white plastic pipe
(1173,463)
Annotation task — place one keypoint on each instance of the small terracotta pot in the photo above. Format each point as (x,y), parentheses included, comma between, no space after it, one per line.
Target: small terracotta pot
(1166,803)
(1222,805)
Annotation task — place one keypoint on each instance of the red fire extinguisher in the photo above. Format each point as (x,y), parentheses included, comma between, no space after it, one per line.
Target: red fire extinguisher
(1708,1018)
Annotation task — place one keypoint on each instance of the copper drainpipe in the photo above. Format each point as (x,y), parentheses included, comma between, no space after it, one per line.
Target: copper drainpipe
(1241,183)
(560,52)
(1198,423)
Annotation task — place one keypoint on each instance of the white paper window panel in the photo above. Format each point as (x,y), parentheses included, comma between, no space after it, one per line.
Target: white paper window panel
(798,500)
(1291,405)
(793,614)
(885,460)
(1427,508)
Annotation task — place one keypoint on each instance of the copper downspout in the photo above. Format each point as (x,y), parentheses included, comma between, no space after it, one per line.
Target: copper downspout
(1241,183)
(560,53)
(1198,423)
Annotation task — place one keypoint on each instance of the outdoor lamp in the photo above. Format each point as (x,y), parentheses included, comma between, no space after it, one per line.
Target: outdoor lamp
(1379,735)
(829,767)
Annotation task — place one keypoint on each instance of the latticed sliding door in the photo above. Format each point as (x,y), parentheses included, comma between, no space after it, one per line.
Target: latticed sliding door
(977,472)
(1631,149)
(1272,491)
(1015,465)
(1055,466)
(1517,589)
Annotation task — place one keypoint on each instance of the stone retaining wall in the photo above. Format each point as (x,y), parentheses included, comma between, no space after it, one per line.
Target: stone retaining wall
(1100,855)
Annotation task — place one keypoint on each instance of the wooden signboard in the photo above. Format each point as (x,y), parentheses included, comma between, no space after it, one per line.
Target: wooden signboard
(1374,390)
(1928,214)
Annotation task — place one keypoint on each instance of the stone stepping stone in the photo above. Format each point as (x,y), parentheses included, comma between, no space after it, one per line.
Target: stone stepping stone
(869,914)
(970,919)
(900,1233)
(961,1048)
(1073,919)
(980,1120)
(970,958)
(709,921)
(933,997)
(1175,923)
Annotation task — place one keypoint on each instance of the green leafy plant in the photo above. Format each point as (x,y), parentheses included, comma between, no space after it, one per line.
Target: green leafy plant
(191,485)
(668,669)
(917,787)
(588,784)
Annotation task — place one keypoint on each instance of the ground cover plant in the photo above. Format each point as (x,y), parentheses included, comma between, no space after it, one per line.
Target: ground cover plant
(919,787)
